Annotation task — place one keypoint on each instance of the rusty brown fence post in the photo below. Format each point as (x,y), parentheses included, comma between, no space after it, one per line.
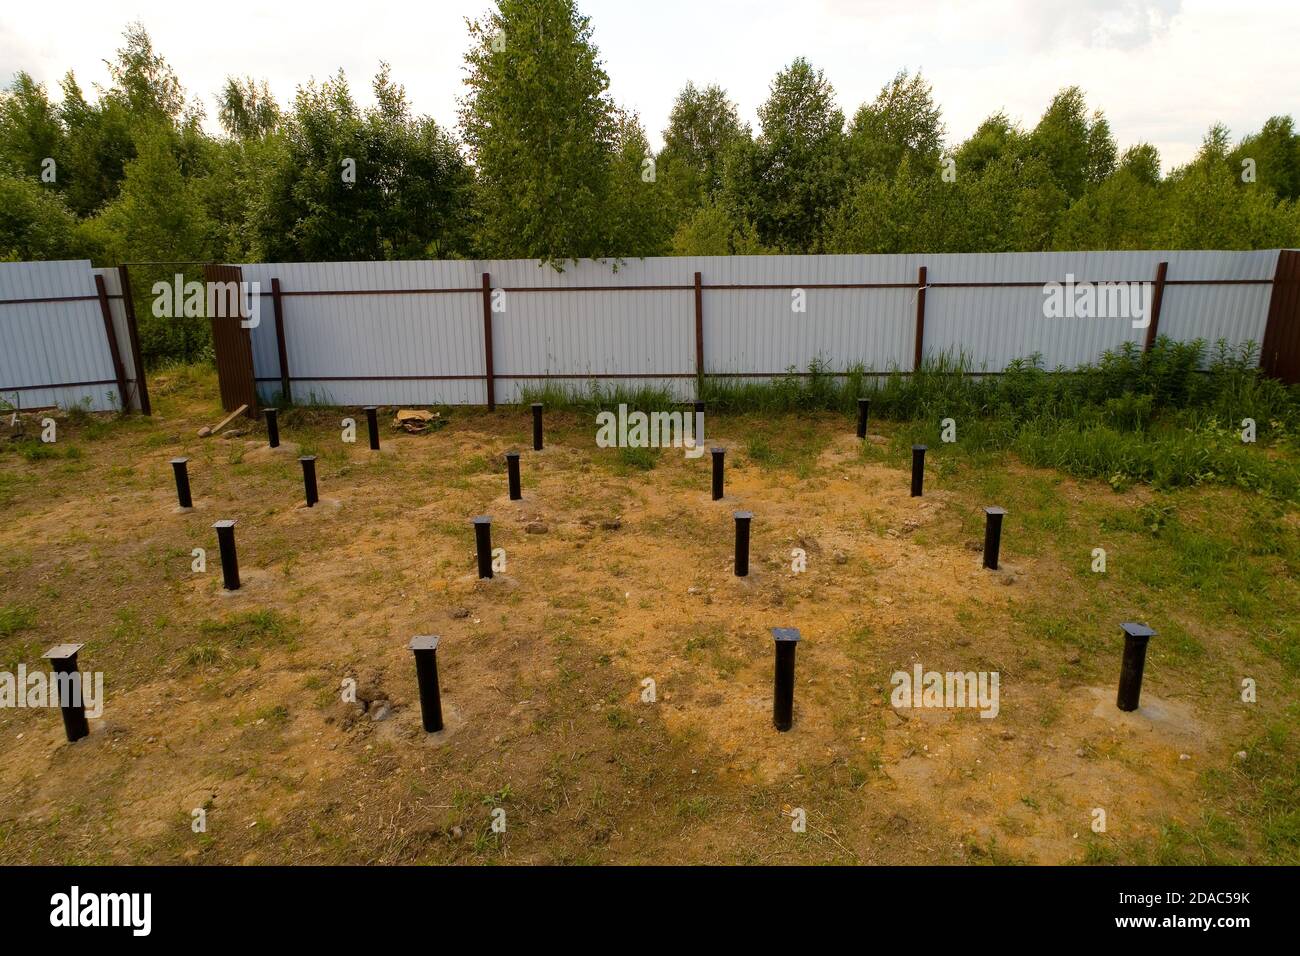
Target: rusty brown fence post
(1157,300)
(133,331)
(113,350)
(286,394)
(487,342)
(699,335)
(920,318)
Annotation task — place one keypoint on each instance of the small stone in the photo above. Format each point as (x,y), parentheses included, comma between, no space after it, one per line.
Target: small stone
(1184,756)
(380,710)
(612,524)
(460,613)
(1079,752)
(1240,755)
(457,833)
(1008,735)
(1074,659)
(536,527)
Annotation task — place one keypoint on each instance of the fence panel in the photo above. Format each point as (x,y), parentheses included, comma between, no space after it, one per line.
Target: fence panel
(126,342)
(355,333)
(378,339)
(414,331)
(53,345)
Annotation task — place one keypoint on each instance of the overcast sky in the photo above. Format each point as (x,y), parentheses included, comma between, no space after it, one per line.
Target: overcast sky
(1161,70)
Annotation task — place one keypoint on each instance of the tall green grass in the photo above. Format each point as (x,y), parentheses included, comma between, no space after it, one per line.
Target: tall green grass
(1125,388)
(1166,457)
(1171,416)
(593,396)
(817,389)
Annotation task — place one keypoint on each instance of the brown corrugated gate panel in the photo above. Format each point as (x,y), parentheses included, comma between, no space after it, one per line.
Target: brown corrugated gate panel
(1280,353)
(233,347)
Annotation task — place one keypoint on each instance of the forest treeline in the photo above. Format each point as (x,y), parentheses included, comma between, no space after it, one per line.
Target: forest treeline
(544,164)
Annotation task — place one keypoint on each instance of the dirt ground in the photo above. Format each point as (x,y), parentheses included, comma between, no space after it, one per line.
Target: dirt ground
(231,702)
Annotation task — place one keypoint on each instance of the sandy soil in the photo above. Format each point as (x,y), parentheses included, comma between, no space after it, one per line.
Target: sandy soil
(624,576)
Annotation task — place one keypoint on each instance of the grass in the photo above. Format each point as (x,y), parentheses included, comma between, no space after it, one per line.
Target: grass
(1227,564)
(15,618)
(593,396)
(1255,800)
(222,641)
(638,459)
(1126,387)
(1172,417)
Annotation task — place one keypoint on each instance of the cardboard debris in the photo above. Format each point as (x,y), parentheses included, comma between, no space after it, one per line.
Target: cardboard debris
(417,420)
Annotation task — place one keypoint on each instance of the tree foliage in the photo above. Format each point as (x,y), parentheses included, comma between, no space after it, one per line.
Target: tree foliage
(541,132)
(792,176)
(544,164)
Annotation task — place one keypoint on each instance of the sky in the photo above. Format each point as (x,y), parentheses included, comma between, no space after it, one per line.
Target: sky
(1161,70)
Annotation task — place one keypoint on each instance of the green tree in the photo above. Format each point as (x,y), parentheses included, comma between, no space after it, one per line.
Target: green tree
(641,220)
(1142,161)
(1275,150)
(145,93)
(996,137)
(145,81)
(1122,213)
(36,224)
(789,181)
(541,132)
(1208,207)
(881,216)
(712,231)
(903,121)
(702,127)
(30,131)
(342,184)
(1077,150)
(247,109)
(158,216)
